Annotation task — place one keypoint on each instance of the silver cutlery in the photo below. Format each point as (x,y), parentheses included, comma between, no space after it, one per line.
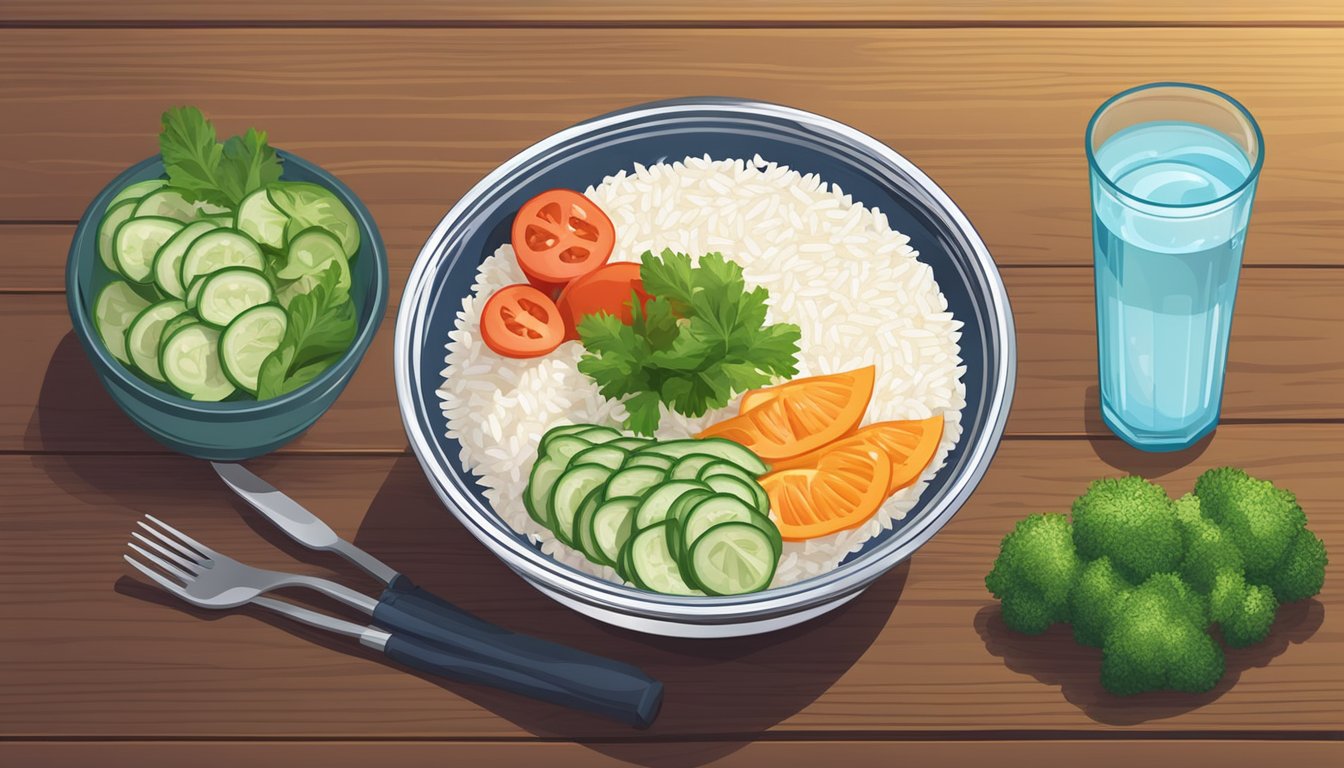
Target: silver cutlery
(476,651)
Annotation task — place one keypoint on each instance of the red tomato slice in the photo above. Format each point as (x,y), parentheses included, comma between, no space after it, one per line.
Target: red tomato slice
(521,321)
(561,235)
(606,289)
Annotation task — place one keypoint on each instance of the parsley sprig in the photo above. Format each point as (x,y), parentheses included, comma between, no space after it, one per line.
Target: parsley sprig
(700,338)
(205,169)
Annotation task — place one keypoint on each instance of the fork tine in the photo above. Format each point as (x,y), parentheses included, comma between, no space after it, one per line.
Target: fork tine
(163,581)
(194,544)
(174,557)
(176,545)
(164,564)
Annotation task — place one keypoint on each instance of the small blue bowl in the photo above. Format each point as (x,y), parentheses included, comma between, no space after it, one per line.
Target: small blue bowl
(227,431)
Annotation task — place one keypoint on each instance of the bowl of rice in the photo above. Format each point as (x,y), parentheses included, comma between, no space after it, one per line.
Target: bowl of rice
(856,246)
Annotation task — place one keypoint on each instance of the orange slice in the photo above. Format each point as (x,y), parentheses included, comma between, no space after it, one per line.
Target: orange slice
(910,445)
(844,489)
(800,416)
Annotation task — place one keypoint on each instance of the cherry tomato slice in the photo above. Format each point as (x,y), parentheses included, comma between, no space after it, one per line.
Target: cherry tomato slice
(560,235)
(521,321)
(606,289)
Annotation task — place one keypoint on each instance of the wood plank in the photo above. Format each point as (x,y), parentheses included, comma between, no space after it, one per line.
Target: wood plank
(1285,364)
(1003,754)
(87,651)
(703,11)
(411,118)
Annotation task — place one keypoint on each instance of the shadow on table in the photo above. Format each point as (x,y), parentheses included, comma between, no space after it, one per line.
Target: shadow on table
(1055,659)
(738,686)
(1125,457)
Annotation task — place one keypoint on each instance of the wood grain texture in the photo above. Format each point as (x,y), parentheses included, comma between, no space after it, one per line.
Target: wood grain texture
(705,11)
(87,651)
(411,118)
(1285,363)
(1001,754)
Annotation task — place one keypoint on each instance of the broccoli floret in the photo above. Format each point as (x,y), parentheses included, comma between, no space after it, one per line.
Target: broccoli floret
(1131,521)
(1098,598)
(1244,611)
(1208,550)
(1263,521)
(1301,572)
(1035,571)
(1159,641)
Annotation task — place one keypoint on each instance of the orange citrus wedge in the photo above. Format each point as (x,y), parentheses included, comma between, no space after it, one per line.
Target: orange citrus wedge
(800,416)
(844,489)
(910,445)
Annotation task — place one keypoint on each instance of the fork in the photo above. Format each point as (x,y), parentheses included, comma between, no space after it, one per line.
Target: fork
(481,653)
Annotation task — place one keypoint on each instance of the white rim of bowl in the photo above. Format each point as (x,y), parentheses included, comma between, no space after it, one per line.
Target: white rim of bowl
(530,563)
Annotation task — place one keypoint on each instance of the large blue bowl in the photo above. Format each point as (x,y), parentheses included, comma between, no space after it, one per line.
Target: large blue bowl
(722,128)
(227,431)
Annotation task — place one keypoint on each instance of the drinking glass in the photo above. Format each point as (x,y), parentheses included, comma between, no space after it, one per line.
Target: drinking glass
(1173,173)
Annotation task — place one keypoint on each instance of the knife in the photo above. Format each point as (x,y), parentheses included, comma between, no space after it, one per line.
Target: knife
(521,664)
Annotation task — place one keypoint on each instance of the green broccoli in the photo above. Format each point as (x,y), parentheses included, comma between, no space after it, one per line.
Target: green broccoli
(1159,641)
(1098,597)
(1260,519)
(1034,573)
(1301,572)
(1213,566)
(1131,521)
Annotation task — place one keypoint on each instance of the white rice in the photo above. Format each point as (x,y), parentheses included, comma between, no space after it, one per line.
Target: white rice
(834,267)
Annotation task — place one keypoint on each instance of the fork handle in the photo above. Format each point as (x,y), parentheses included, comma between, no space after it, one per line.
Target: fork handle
(433,635)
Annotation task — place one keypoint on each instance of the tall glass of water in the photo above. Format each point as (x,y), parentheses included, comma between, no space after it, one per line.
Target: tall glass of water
(1173,169)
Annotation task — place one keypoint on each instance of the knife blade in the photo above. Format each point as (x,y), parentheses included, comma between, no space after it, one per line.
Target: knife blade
(298,523)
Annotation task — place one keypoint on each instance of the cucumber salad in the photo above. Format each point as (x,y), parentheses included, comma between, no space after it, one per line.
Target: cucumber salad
(224,281)
(681,517)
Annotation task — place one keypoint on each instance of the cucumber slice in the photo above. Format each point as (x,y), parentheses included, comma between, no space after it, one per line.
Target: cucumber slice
(685,502)
(136,243)
(145,333)
(732,559)
(688,467)
(566,447)
(170,327)
(311,252)
(173,204)
(252,336)
(216,250)
(560,431)
(634,481)
(629,443)
(760,499)
(650,460)
(601,455)
(657,503)
(652,563)
(227,293)
(168,261)
(288,291)
(597,435)
(114,310)
(262,221)
(734,486)
(612,524)
(190,362)
(537,499)
(583,526)
(136,191)
(115,216)
(717,447)
(569,494)
(711,511)
(194,293)
(310,205)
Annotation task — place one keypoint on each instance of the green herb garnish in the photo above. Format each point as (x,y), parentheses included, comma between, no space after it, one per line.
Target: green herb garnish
(700,339)
(320,329)
(204,169)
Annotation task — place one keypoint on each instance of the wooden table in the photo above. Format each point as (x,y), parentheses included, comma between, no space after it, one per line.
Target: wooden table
(412,101)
